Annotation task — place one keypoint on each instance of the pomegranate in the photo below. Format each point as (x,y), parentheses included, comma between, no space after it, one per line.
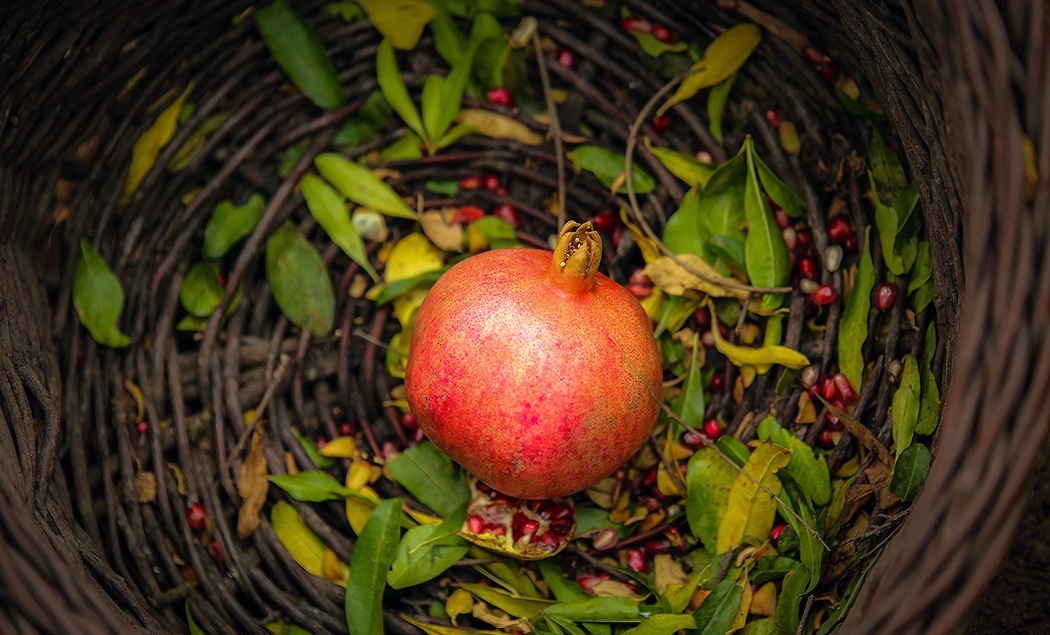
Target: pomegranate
(533,370)
(526,529)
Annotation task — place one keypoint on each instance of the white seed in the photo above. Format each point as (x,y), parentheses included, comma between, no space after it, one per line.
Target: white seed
(833,258)
(370,224)
(810,375)
(896,368)
(605,538)
(790,238)
(808,286)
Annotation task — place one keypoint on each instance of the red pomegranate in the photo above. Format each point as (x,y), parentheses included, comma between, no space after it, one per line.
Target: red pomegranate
(534,371)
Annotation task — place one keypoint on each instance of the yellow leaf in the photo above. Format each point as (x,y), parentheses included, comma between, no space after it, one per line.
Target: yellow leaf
(340,448)
(331,568)
(654,304)
(807,413)
(745,603)
(667,573)
(359,510)
(441,229)
(762,358)
(146,487)
(764,600)
(411,256)
(615,589)
(151,142)
(301,542)
(750,509)
(680,595)
(360,474)
(252,485)
(460,602)
(189,147)
(723,57)
(136,394)
(674,279)
(400,21)
(436,629)
(421,517)
(789,137)
(650,252)
(180,480)
(498,126)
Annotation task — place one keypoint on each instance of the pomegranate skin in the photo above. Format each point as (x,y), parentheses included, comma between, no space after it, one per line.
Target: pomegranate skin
(537,391)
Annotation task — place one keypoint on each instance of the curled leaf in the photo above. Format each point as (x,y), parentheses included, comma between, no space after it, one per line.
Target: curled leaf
(441,229)
(762,358)
(904,410)
(723,57)
(149,144)
(650,250)
(201,291)
(498,126)
(673,278)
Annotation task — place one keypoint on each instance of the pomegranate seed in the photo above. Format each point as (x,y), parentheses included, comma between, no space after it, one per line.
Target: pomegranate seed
(418,436)
(496,529)
(824,295)
(640,291)
(773,117)
(839,228)
(703,317)
(502,191)
(222,281)
(605,222)
(776,532)
(896,368)
(470,182)
(475,524)
(508,213)
(560,526)
(829,389)
(587,582)
(783,220)
(484,488)
(468,214)
(845,388)
(826,440)
(649,502)
(321,441)
(728,5)
(636,561)
(605,539)
(196,516)
(829,71)
(703,156)
(142,427)
(712,429)
(656,546)
(408,421)
(850,244)
(523,525)
(662,33)
(661,123)
(810,376)
(216,551)
(807,266)
(692,440)
(638,277)
(790,238)
(567,58)
(491,182)
(717,383)
(804,238)
(500,96)
(617,234)
(560,510)
(808,286)
(347,429)
(675,537)
(833,258)
(551,540)
(832,423)
(885,295)
(813,55)
(631,23)
(650,478)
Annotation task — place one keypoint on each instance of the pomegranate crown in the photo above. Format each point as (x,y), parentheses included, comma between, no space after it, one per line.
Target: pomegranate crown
(576,257)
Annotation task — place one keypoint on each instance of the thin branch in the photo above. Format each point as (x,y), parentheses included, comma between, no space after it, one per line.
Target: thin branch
(555,125)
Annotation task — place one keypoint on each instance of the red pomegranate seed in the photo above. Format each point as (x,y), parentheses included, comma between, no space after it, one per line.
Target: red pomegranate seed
(692,440)
(523,525)
(639,277)
(640,291)
(587,582)
(675,537)
(813,55)
(703,317)
(829,71)
(845,388)
(807,266)
(728,5)
(408,422)
(631,23)
(839,228)
(501,96)
(468,214)
(649,503)
(717,383)
(142,427)
(773,117)
(567,58)
(502,191)
(560,526)
(605,222)
(222,281)
(216,551)
(804,238)
(828,389)
(656,546)
(661,123)
(776,532)
(470,182)
(636,561)
(662,33)
(475,524)
(196,516)
(824,295)
(826,440)
(832,423)
(650,478)
(850,244)
(508,213)
(347,429)
(885,295)
(491,182)
(560,510)
(712,429)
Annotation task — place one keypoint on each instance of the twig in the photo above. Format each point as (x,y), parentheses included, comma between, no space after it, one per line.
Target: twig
(555,125)
(260,409)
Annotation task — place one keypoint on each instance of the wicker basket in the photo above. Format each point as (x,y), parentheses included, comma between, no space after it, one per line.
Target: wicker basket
(960,82)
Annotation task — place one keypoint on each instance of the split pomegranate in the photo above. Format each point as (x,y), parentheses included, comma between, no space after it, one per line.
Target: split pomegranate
(534,371)
(526,529)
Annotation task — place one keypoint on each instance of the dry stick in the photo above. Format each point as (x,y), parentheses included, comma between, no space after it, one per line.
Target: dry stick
(632,141)
(555,125)
(260,410)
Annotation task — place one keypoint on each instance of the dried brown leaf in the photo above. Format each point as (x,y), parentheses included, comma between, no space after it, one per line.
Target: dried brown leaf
(879,471)
(439,228)
(252,485)
(146,487)
(674,279)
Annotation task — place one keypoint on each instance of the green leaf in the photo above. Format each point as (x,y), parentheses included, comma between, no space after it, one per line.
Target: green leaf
(717,210)
(809,471)
(308,445)
(360,185)
(345,10)
(715,615)
(811,551)
(229,224)
(392,290)
(445,187)
(498,233)
(470,8)
(393,88)
(190,622)
(289,159)
(692,171)
(284,628)
(312,486)
(98,298)
(853,331)
(716,106)
(407,147)
(431,104)
(425,552)
(909,472)
(609,166)
(767,257)
(751,510)
(300,53)
(330,212)
(922,272)
(782,195)
(662,624)
(402,22)
(682,231)
(734,448)
(709,478)
(771,568)
(886,170)
(493,50)
(373,553)
(690,402)
(299,281)
(728,248)
(201,291)
(888,224)
(654,47)
(766,626)
(930,401)
(526,608)
(366,124)
(794,587)
(431,476)
(563,588)
(600,609)
(904,410)
(722,57)
(448,40)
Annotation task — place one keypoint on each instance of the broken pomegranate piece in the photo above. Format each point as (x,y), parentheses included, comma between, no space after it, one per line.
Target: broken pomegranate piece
(525,529)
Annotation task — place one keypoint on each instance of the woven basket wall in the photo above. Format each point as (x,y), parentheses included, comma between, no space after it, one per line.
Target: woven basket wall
(962,81)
